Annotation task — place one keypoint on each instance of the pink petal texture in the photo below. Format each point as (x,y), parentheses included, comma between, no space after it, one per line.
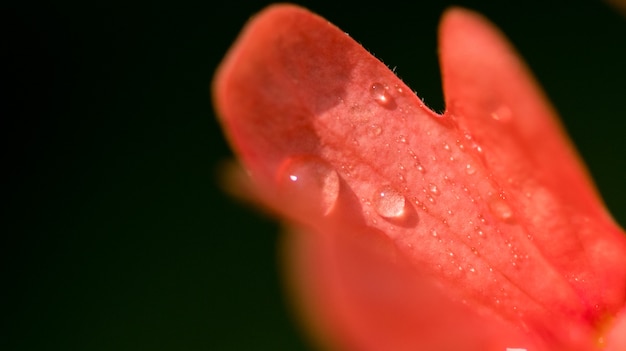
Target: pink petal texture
(476,229)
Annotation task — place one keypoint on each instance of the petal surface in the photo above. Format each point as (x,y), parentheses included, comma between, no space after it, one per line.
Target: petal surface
(478,223)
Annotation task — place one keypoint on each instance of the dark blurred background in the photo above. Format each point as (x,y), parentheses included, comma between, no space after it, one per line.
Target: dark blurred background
(116,235)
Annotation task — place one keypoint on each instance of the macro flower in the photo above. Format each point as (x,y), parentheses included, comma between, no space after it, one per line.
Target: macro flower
(475,229)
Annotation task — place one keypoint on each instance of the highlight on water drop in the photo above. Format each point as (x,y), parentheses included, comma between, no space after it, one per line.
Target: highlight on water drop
(309,184)
(381,95)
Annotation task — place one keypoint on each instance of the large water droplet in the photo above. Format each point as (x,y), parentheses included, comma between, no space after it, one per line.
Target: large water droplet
(309,183)
(389,203)
(382,96)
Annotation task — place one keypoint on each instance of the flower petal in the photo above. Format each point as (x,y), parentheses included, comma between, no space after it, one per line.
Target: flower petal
(446,211)
(491,93)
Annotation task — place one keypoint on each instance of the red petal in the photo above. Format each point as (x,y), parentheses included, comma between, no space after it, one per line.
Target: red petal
(485,206)
(489,92)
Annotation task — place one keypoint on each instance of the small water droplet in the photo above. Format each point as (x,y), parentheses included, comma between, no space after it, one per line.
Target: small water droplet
(460,145)
(482,219)
(375,130)
(381,95)
(420,204)
(469,169)
(501,209)
(399,89)
(446,146)
(419,167)
(502,113)
(479,231)
(389,203)
(433,189)
(309,183)
(433,232)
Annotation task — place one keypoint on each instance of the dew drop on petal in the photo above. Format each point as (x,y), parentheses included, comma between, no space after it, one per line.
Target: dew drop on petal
(501,209)
(502,113)
(430,199)
(469,169)
(375,130)
(389,203)
(381,95)
(433,189)
(309,183)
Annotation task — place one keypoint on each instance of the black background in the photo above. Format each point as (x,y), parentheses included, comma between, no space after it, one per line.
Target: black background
(117,235)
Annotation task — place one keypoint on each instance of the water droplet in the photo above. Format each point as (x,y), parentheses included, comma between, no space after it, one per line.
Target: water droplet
(469,169)
(375,130)
(446,146)
(502,113)
(399,89)
(501,209)
(419,167)
(433,189)
(389,203)
(421,205)
(430,199)
(309,183)
(482,219)
(460,145)
(479,231)
(381,95)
